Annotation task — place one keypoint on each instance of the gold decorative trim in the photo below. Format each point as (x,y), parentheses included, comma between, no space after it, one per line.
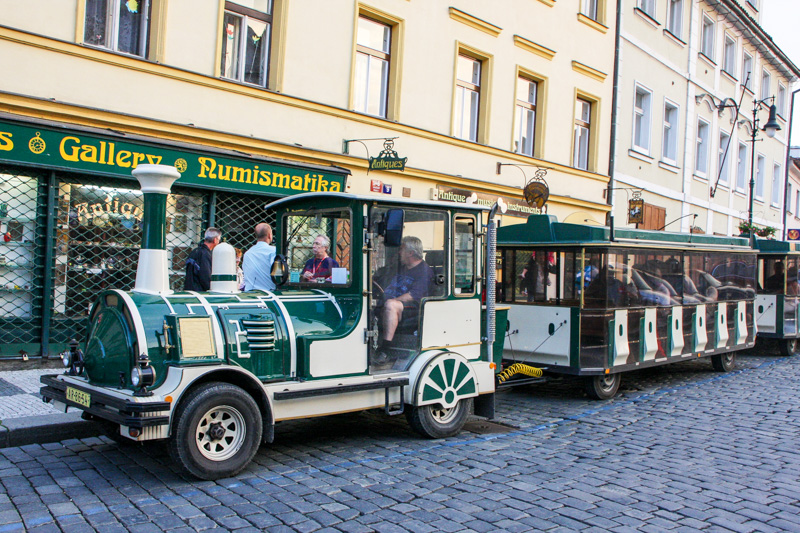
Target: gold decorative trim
(538,49)
(475,22)
(586,70)
(602,28)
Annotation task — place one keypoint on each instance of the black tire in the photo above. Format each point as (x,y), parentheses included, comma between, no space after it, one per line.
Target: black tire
(435,422)
(789,347)
(724,362)
(603,387)
(222,409)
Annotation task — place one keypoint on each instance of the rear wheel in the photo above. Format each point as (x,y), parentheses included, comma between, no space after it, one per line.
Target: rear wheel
(603,387)
(723,362)
(789,347)
(437,422)
(217,431)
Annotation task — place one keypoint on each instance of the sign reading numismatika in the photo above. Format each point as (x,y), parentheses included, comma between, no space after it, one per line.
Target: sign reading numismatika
(73,150)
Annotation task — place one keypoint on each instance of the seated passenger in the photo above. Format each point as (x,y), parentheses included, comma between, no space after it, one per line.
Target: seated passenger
(403,294)
(774,283)
(320,266)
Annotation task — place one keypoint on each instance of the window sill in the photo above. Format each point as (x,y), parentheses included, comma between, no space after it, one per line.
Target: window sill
(707,59)
(740,192)
(646,17)
(700,176)
(602,28)
(670,166)
(730,76)
(758,200)
(749,90)
(637,153)
(677,40)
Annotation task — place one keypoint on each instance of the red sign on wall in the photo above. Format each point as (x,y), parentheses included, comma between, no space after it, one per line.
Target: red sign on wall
(376,185)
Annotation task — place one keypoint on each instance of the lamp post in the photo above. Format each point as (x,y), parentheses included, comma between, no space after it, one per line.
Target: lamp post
(770,128)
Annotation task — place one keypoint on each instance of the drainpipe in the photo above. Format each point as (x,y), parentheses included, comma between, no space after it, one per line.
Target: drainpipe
(786,199)
(613,144)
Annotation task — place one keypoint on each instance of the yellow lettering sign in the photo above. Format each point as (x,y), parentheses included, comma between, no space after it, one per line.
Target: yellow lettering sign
(6,144)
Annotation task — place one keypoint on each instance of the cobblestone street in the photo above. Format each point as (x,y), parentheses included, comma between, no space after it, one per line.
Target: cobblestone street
(681,448)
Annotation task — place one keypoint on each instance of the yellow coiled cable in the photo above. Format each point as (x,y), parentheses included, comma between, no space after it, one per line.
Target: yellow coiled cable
(519,368)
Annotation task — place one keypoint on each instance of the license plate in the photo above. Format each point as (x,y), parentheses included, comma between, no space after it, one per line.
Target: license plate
(79,397)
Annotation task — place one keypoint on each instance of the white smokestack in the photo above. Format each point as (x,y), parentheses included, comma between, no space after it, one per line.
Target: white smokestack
(152,274)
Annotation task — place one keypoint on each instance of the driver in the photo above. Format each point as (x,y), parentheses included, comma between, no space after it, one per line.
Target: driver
(406,289)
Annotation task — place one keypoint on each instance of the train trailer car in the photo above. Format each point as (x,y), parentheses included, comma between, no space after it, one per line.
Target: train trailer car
(584,303)
(777,298)
(394,321)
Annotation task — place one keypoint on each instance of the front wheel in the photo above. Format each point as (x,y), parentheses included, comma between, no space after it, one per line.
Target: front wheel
(789,347)
(723,362)
(437,422)
(603,387)
(217,431)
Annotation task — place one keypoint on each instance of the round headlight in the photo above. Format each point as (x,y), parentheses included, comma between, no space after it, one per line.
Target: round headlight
(143,376)
(136,376)
(66,358)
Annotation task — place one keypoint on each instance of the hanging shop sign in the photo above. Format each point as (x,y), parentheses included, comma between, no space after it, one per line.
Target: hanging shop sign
(91,153)
(793,235)
(515,206)
(636,208)
(388,159)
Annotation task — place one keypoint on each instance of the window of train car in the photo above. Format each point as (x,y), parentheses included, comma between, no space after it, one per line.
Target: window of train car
(541,276)
(465,256)
(318,247)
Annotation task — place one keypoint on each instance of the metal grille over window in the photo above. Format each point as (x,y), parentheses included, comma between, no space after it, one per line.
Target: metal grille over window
(22,255)
(237,216)
(98,234)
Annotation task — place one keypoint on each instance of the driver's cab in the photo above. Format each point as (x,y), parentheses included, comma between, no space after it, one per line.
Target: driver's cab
(404,274)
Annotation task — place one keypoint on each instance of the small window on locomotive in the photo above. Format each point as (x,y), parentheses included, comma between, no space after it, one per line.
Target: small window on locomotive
(465,256)
(318,247)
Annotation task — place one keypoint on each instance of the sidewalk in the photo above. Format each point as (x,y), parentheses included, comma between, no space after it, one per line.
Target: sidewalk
(25,418)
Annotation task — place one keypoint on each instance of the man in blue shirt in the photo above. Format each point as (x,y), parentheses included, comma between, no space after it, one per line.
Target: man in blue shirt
(257,261)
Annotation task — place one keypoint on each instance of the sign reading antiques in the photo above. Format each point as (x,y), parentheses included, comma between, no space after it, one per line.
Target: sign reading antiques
(91,153)
(387,159)
(516,207)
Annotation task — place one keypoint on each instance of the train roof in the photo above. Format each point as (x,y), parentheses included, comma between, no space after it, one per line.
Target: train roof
(770,246)
(546,230)
(300,198)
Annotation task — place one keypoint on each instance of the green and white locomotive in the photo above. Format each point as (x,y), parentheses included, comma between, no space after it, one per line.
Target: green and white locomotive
(778,294)
(587,302)
(214,372)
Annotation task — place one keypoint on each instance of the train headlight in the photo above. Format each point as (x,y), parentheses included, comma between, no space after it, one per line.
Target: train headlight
(143,375)
(66,358)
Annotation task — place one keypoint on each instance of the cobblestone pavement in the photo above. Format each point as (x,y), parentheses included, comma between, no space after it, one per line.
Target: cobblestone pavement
(19,393)
(682,448)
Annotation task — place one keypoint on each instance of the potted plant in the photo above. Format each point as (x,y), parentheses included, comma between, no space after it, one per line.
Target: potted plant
(747,229)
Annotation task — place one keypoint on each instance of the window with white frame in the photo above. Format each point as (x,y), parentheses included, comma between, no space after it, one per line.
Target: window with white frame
(765,82)
(797,202)
(675,18)
(781,100)
(589,8)
(468,86)
(701,157)
(747,71)
(118,25)
(670,140)
(583,116)
(648,6)
(729,55)
(741,167)
(724,157)
(789,199)
(525,117)
(760,169)
(776,184)
(641,118)
(373,45)
(245,41)
(707,38)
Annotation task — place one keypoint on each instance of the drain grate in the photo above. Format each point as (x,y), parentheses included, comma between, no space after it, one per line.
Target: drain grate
(483,427)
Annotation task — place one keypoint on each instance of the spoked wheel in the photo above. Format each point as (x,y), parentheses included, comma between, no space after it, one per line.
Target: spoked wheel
(603,387)
(723,362)
(437,422)
(789,347)
(217,431)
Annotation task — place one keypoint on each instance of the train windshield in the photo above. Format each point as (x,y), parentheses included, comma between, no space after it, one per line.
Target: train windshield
(318,247)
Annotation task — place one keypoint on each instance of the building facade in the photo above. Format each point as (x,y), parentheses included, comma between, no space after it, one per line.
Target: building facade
(256,99)
(694,74)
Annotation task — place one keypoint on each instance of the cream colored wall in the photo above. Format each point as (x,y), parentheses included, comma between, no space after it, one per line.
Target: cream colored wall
(55,18)
(192,34)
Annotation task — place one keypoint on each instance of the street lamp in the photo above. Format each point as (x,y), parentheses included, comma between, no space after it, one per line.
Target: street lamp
(770,128)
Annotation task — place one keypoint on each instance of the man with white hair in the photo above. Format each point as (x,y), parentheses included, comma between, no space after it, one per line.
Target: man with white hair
(407,288)
(198,265)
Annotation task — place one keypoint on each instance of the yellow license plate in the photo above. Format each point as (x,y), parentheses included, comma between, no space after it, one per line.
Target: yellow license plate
(79,397)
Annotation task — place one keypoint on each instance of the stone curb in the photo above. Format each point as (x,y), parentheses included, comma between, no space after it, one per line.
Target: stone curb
(46,428)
